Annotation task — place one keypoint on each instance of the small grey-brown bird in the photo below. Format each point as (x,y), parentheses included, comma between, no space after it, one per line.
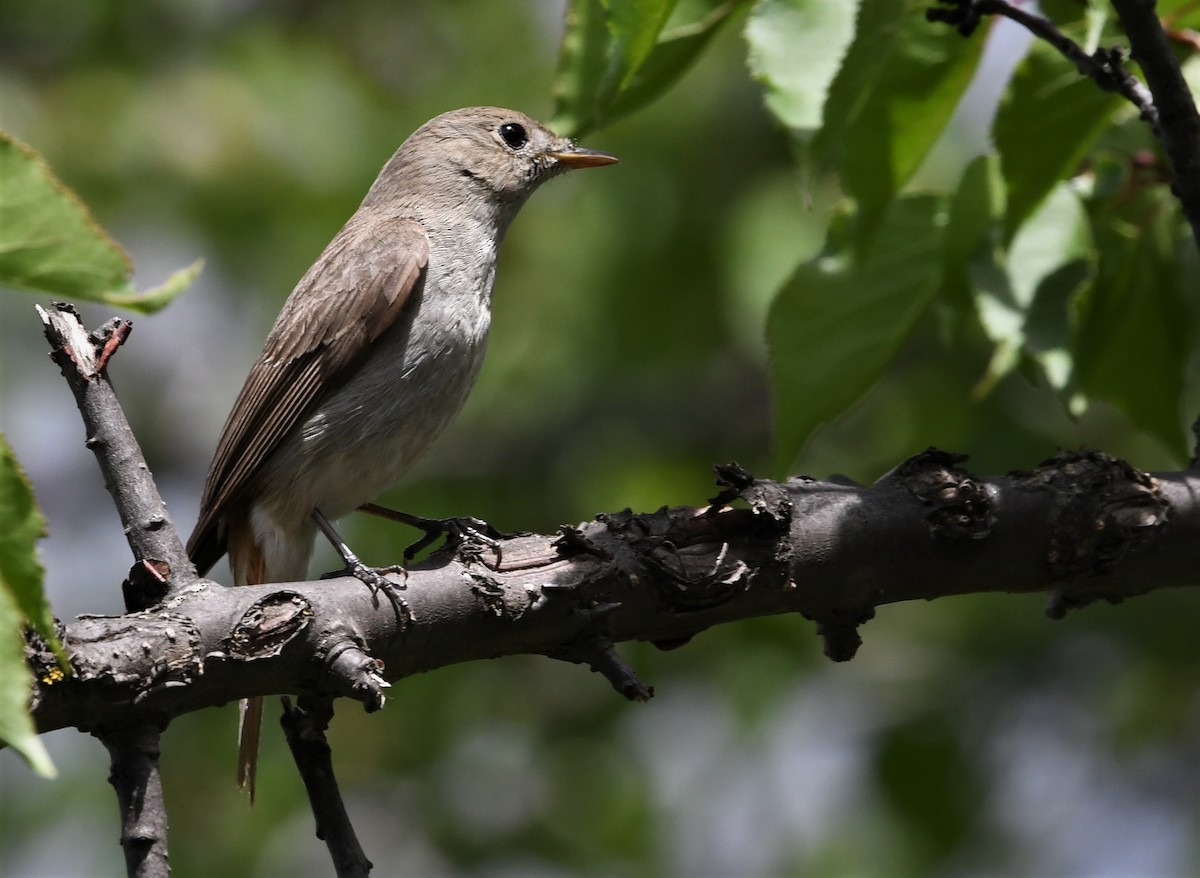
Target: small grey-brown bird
(373,354)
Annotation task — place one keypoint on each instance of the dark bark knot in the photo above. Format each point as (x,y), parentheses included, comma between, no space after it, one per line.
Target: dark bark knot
(959,506)
(1104,509)
(268,626)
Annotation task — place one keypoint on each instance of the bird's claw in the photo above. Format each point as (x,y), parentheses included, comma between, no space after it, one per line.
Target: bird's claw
(458,530)
(375,578)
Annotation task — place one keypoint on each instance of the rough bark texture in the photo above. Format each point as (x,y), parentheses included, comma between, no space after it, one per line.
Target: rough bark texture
(1081,527)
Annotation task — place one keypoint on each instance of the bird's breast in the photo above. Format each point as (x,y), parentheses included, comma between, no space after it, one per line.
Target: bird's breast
(413,381)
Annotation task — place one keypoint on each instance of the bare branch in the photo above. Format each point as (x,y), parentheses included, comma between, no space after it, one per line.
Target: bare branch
(1166,104)
(1081,526)
(1105,66)
(1179,123)
(304,728)
(161,563)
(136,778)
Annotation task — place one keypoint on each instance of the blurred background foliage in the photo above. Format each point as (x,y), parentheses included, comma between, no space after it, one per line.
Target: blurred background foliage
(628,354)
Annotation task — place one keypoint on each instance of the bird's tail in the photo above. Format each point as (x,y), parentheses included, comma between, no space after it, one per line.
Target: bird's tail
(249,732)
(249,568)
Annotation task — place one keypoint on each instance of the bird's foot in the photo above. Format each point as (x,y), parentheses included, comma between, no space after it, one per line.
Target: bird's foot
(463,533)
(375,578)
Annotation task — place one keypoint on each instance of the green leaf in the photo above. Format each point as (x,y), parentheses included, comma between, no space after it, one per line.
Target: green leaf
(837,324)
(16,726)
(910,78)
(677,48)
(796,48)
(21,526)
(1044,128)
(21,601)
(582,64)
(976,208)
(50,243)
(1026,296)
(618,55)
(866,88)
(633,27)
(1132,346)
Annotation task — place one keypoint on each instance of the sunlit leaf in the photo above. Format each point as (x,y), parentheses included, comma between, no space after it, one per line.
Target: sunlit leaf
(1044,127)
(1025,297)
(618,55)
(910,79)
(796,48)
(50,243)
(16,726)
(678,46)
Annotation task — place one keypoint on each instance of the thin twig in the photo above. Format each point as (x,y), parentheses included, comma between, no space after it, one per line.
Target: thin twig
(1105,66)
(304,727)
(1179,123)
(1165,101)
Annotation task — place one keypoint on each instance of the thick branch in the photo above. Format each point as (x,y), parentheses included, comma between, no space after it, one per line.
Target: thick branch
(1082,527)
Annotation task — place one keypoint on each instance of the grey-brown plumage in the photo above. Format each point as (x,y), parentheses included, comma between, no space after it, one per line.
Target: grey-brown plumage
(377,347)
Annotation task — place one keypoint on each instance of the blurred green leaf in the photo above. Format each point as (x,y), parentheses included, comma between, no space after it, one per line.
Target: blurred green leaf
(16,726)
(618,55)
(22,602)
(1135,332)
(1025,297)
(930,785)
(836,325)
(796,50)
(1179,14)
(977,206)
(1050,117)
(582,65)
(50,243)
(21,526)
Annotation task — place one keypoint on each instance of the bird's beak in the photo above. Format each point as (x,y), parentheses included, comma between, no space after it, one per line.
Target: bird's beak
(577,157)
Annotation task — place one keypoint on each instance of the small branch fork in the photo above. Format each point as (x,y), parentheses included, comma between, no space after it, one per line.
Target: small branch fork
(1165,102)
(1105,66)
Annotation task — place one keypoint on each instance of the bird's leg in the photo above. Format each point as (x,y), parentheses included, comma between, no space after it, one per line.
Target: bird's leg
(372,577)
(457,530)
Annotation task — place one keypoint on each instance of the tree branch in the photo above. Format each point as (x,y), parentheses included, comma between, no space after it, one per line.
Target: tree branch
(1167,104)
(1081,527)
(135,776)
(161,562)
(1105,66)
(1179,123)
(304,728)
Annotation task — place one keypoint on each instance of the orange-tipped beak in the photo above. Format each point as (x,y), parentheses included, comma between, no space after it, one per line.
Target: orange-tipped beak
(583,158)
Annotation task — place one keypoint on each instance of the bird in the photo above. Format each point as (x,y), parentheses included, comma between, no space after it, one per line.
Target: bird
(372,355)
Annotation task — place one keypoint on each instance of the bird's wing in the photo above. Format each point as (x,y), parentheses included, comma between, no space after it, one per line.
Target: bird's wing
(354,292)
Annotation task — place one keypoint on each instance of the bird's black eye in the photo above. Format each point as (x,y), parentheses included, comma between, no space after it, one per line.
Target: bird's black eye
(513,134)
